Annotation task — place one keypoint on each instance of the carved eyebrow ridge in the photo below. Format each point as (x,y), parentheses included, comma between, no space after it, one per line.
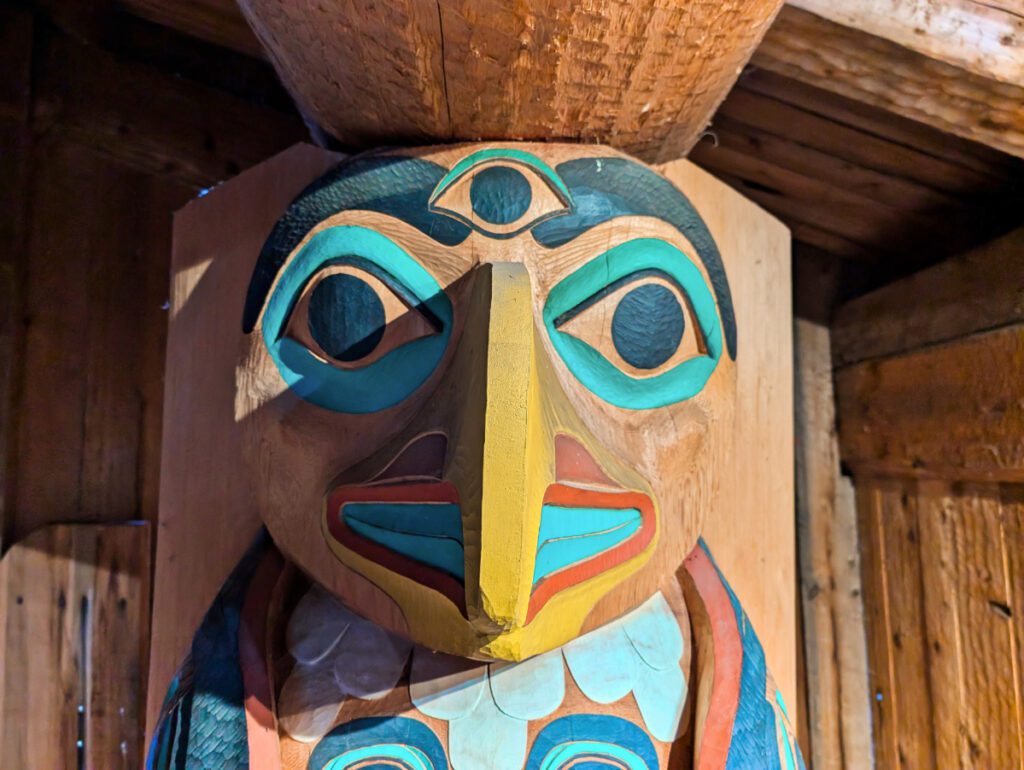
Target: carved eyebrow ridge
(611,187)
(397,185)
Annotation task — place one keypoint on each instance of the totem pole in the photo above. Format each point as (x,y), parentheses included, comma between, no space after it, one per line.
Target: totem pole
(482,393)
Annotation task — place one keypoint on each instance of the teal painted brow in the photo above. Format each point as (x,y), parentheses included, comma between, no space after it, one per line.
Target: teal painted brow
(563,756)
(388,380)
(405,757)
(496,153)
(596,372)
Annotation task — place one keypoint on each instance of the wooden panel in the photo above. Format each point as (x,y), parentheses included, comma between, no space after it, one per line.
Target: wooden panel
(833,617)
(953,411)
(16,41)
(207,292)
(74,603)
(643,76)
(215,21)
(894,604)
(978,291)
(91,376)
(762,462)
(193,134)
(878,72)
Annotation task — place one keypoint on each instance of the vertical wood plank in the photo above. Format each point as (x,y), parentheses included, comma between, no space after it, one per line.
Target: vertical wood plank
(75,602)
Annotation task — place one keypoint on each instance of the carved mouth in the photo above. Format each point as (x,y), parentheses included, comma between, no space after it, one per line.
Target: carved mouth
(414,529)
(585,532)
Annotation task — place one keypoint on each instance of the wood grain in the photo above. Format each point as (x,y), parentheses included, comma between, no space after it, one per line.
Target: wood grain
(645,77)
(978,291)
(74,604)
(951,411)
(881,73)
(980,37)
(833,616)
(195,495)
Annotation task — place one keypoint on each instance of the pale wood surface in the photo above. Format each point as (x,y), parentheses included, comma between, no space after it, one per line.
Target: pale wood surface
(764,578)
(985,38)
(878,72)
(644,76)
(207,517)
(74,603)
(977,291)
(216,244)
(833,617)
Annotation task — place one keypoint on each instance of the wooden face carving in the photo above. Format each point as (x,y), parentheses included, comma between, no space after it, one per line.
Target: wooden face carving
(486,389)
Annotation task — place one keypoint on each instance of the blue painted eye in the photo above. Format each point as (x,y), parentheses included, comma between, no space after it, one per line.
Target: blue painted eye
(354,323)
(648,326)
(346,317)
(500,195)
(663,339)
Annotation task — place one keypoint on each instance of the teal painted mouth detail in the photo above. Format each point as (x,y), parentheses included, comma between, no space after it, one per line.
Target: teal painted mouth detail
(430,533)
(570,535)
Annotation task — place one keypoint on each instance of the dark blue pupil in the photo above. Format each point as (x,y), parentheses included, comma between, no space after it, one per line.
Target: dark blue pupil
(346,317)
(500,195)
(647,326)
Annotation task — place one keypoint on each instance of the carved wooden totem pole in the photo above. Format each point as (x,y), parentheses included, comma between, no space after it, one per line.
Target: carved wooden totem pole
(483,392)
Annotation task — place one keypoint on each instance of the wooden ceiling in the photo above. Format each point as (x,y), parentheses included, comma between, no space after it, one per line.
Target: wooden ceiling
(882,154)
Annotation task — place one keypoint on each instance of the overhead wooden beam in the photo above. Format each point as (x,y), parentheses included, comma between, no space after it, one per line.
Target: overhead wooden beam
(986,38)
(644,76)
(215,21)
(871,69)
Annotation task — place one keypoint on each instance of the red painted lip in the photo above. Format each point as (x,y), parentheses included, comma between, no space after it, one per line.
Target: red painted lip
(574,497)
(429,492)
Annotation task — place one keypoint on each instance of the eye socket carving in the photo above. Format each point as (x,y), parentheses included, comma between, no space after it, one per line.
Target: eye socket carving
(637,325)
(350,317)
(643,323)
(501,193)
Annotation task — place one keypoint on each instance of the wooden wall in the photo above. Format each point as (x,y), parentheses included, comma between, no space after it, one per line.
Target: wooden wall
(105,130)
(930,397)
(102,142)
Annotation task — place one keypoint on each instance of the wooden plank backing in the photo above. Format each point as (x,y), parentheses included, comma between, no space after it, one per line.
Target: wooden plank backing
(977,291)
(951,411)
(74,612)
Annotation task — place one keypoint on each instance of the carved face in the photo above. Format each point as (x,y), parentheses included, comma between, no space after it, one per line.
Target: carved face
(486,388)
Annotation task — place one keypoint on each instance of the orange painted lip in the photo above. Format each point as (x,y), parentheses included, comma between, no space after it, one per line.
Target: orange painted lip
(429,492)
(573,497)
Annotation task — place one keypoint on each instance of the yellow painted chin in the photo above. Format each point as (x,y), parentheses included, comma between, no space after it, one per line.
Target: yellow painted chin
(435,622)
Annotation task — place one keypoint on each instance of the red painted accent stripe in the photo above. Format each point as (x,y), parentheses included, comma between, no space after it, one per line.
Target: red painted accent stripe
(431,492)
(573,497)
(261,728)
(713,751)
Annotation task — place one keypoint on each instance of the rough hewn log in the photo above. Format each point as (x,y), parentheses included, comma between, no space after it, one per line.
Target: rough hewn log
(644,76)
(876,71)
(985,38)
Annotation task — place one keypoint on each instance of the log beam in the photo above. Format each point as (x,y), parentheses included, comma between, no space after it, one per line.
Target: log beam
(986,38)
(644,76)
(870,69)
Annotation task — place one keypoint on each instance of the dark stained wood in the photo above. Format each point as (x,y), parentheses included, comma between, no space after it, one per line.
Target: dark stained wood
(977,291)
(215,21)
(16,39)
